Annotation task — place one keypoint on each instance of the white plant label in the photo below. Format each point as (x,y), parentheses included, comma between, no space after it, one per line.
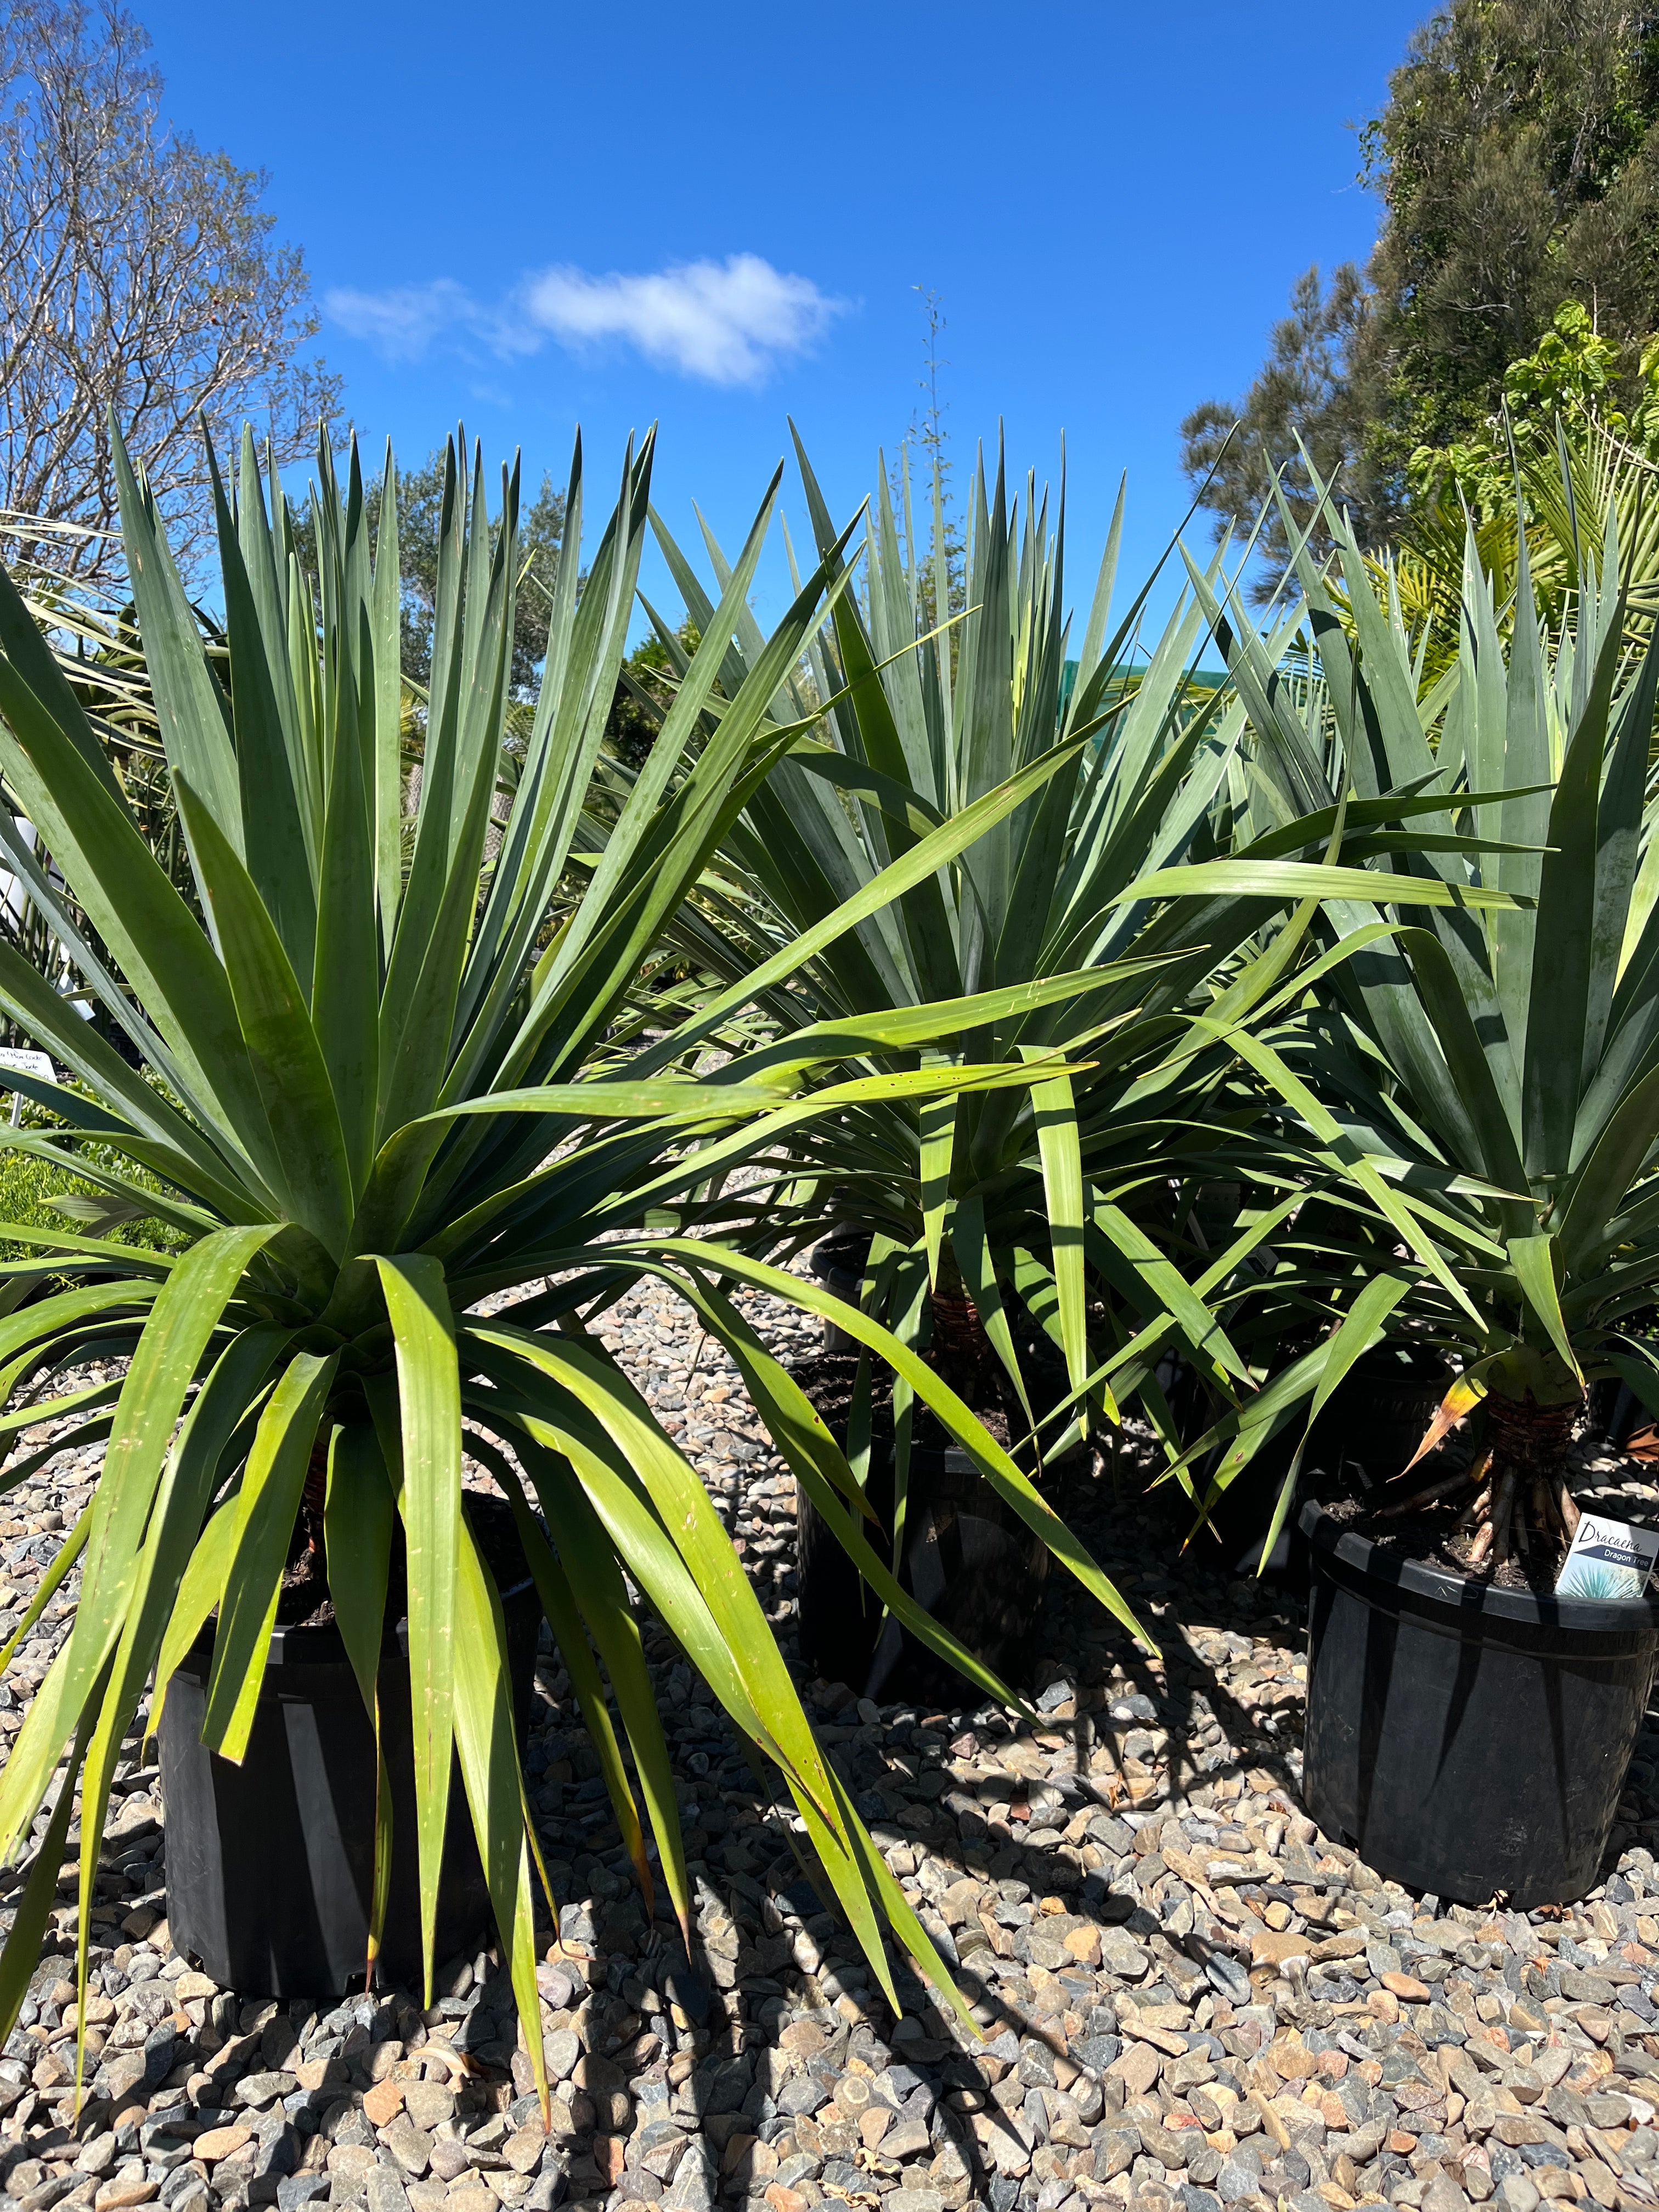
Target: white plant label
(26,1063)
(1608,1560)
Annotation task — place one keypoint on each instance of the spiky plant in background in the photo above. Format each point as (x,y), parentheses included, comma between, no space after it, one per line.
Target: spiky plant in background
(1129,913)
(1488,1080)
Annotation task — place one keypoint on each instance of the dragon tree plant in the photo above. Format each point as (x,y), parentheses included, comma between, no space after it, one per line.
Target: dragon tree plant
(1486,1082)
(377,1090)
(1136,889)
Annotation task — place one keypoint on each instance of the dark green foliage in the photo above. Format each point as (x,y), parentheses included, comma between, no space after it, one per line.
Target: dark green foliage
(1305,393)
(644,692)
(1518,163)
(28,1185)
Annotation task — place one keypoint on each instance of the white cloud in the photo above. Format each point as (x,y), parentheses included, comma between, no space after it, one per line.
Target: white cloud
(401,323)
(724,322)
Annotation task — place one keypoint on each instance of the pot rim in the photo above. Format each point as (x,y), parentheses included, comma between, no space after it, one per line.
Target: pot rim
(1462,1596)
(827,1256)
(320,1643)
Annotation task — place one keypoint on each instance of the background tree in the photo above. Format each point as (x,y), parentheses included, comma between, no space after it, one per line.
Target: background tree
(1518,163)
(138,272)
(645,691)
(541,532)
(924,511)
(1569,385)
(420,519)
(1306,396)
(1558,459)
(1517,160)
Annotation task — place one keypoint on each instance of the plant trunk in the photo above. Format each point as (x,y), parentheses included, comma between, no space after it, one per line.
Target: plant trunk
(1528,1445)
(1517,1497)
(960,1349)
(1520,1498)
(315,1498)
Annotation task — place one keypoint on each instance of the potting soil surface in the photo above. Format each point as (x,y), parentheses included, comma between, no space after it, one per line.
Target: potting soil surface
(1430,1536)
(304,1601)
(1189,1998)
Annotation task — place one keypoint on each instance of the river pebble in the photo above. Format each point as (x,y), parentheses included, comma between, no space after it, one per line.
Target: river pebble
(1187,1998)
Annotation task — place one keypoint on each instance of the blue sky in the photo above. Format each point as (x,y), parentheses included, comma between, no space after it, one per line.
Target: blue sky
(536,215)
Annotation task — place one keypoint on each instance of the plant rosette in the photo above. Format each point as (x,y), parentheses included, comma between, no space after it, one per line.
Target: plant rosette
(1480,1079)
(395,1101)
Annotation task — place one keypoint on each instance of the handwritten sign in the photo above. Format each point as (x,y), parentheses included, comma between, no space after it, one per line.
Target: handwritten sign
(26,1063)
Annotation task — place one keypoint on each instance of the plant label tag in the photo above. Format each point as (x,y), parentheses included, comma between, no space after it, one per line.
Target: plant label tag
(26,1063)
(1608,1560)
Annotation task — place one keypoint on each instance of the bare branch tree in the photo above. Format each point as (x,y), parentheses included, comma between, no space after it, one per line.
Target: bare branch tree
(138,272)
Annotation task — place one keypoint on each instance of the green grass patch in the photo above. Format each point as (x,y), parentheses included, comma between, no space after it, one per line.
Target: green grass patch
(27,1183)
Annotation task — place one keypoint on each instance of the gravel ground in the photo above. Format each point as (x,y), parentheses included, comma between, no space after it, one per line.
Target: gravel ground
(1190,1998)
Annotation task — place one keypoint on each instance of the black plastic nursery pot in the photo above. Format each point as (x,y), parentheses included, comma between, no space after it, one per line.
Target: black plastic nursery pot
(967,1560)
(1381,1410)
(837,1260)
(1468,1741)
(271,1863)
